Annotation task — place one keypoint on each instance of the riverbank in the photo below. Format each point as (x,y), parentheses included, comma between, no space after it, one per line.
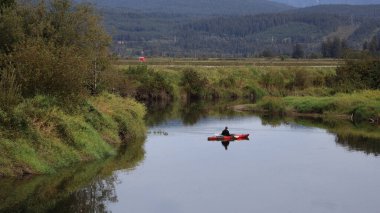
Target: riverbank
(40,136)
(358,106)
(289,90)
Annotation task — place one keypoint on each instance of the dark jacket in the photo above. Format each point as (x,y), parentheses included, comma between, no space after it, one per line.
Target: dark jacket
(226,133)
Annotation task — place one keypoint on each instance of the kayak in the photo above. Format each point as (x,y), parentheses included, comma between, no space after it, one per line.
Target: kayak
(232,137)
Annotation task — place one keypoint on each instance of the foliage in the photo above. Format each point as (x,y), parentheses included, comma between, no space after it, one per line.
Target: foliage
(272,105)
(298,51)
(10,93)
(199,7)
(361,106)
(41,68)
(335,48)
(40,136)
(193,84)
(274,34)
(150,85)
(358,74)
(55,47)
(373,46)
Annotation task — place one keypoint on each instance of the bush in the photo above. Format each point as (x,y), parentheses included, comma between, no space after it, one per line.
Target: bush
(44,69)
(358,74)
(254,92)
(193,84)
(273,105)
(9,90)
(149,85)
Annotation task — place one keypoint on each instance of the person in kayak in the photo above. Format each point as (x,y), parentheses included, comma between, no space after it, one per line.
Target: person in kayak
(226,132)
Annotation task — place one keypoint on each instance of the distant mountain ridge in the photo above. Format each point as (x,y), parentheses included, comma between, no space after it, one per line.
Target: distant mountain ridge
(165,34)
(307,3)
(204,7)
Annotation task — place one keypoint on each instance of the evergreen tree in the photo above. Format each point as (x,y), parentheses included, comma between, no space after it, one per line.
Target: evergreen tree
(298,51)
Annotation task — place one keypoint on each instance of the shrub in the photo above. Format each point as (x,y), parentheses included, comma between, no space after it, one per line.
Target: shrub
(149,85)
(273,105)
(44,69)
(193,84)
(254,92)
(358,74)
(9,90)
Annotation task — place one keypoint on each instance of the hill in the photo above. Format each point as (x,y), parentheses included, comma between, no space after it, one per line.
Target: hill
(307,3)
(163,34)
(204,7)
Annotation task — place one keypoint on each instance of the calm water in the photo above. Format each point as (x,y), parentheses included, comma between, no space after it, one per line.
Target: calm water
(284,167)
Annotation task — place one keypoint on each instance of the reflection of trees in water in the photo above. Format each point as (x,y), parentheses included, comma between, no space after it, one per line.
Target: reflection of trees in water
(159,112)
(355,137)
(359,143)
(191,113)
(271,120)
(93,198)
(82,188)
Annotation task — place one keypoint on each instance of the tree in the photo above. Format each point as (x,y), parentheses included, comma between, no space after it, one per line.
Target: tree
(55,47)
(193,84)
(6,3)
(335,48)
(298,51)
(373,45)
(358,74)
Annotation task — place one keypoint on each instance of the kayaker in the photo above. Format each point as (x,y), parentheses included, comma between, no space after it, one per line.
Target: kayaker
(225,132)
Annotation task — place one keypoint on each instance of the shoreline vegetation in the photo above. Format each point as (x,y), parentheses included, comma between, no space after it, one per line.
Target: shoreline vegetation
(45,137)
(56,106)
(349,91)
(357,107)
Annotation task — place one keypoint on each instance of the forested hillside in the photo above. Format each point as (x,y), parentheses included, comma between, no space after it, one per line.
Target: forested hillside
(306,3)
(250,35)
(221,7)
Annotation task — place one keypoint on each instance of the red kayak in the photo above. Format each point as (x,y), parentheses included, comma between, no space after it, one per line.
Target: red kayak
(232,137)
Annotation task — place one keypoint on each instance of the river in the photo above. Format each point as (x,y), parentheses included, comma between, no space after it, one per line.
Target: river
(287,165)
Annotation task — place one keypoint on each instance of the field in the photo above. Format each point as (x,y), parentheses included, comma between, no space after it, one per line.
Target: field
(235,62)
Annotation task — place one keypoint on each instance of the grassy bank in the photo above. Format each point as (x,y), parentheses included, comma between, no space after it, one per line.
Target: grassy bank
(40,136)
(219,82)
(349,90)
(358,106)
(70,189)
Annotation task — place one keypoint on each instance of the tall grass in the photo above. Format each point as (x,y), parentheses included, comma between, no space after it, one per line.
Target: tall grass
(218,82)
(40,136)
(359,106)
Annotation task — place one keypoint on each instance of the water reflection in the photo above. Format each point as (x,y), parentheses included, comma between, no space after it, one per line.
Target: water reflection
(83,188)
(225,144)
(189,112)
(354,137)
(92,187)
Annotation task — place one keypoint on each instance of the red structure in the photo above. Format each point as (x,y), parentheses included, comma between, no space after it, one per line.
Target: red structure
(142,59)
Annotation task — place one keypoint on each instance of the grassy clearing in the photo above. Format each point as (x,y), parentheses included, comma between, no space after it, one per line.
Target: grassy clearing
(360,106)
(39,136)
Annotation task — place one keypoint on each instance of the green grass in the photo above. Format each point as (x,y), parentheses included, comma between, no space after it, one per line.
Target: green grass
(248,80)
(361,106)
(40,136)
(44,193)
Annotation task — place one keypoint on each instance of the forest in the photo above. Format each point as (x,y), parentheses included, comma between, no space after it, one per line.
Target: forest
(162,34)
